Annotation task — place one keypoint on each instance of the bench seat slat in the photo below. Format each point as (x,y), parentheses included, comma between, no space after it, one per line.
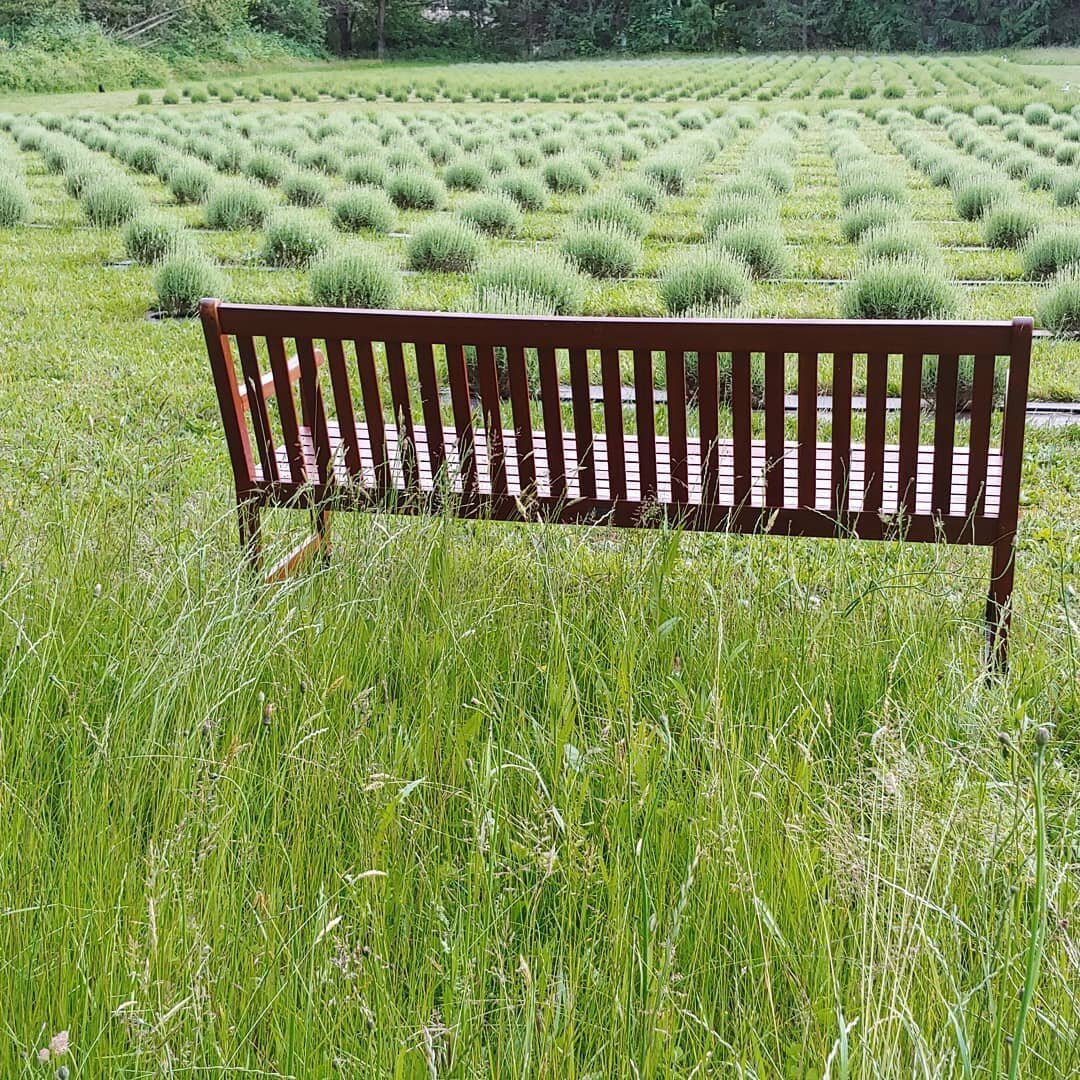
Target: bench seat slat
(635,486)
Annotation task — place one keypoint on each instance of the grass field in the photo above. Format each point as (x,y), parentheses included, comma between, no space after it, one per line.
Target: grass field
(481,800)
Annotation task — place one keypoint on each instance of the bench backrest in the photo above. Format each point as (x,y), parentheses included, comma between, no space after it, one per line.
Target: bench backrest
(448,373)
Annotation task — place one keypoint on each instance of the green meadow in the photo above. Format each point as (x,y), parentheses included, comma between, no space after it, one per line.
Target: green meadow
(482,800)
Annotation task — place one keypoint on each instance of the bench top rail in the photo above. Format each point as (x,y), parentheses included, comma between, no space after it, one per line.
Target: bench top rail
(595,332)
(390,403)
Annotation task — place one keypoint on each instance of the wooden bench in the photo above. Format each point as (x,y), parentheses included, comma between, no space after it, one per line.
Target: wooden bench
(410,411)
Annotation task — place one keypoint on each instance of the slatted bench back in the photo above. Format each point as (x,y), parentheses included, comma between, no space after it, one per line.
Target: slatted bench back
(382,404)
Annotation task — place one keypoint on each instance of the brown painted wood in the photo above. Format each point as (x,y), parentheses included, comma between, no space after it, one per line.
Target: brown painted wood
(982,412)
(522,411)
(488,378)
(910,421)
(256,406)
(430,405)
(740,423)
(583,425)
(461,401)
(611,379)
(755,335)
(709,424)
(877,372)
(775,426)
(806,423)
(368,374)
(402,406)
(228,395)
(944,431)
(663,460)
(343,406)
(841,432)
(551,406)
(286,403)
(646,421)
(675,377)
(941,491)
(1012,432)
(313,408)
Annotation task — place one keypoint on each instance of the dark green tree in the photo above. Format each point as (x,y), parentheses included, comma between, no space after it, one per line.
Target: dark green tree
(301,20)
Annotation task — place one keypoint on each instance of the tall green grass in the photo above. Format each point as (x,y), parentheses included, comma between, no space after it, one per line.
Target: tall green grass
(632,801)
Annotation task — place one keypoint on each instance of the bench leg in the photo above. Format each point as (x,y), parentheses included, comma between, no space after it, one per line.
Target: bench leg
(250,520)
(318,543)
(999,604)
(321,524)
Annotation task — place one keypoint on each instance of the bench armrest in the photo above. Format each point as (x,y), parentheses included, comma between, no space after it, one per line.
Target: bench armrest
(267,382)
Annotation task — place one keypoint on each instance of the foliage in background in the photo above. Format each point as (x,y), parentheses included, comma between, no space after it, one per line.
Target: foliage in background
(77,44)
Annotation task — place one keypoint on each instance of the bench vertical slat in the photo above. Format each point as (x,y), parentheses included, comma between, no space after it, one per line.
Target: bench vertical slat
(461,401)
(228,394)
(552,414)
(807,428)
(709,426)
(313,408)
(982,411)
(430,404)
(399,398)
(583,426)
(775,428)
(492,413)
(740,424)
(286,403)
(260,417)
(343,405)
(944,432)
(522,412)
(675,376)
(910,421)
(841,432)
(613,422)
(373,412)
(644,407)
(1012,424)
(877,373)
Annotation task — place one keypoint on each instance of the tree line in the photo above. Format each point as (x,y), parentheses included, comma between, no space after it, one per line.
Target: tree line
(549,29)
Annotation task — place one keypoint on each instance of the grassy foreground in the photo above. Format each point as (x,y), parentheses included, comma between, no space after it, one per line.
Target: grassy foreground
(483,801)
